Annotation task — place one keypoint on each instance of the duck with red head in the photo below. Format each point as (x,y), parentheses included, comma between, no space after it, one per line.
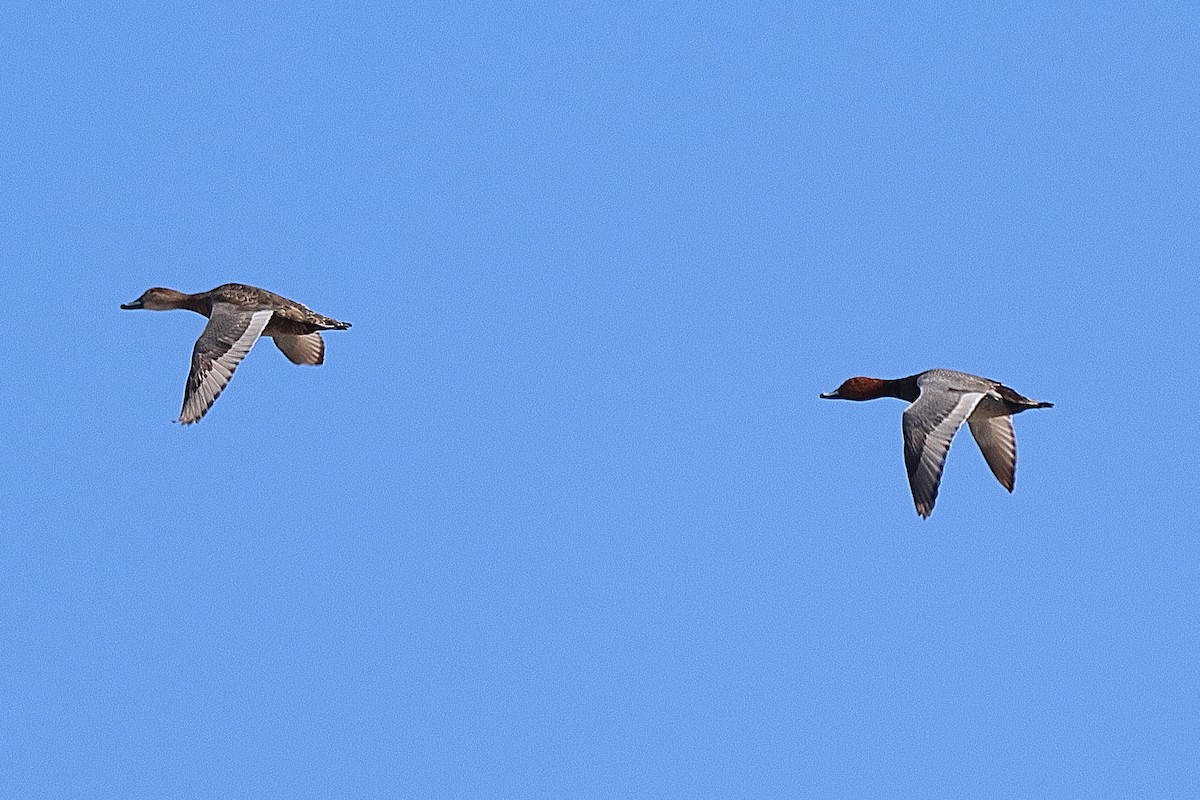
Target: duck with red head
(862,388)
(942,400)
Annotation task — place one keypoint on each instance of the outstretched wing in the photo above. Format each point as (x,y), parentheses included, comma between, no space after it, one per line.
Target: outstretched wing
(996,439)
(929,426)
(225,341)
(307,348)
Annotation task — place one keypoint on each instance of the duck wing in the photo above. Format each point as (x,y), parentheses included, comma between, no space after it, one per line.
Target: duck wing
(225,341)
(306,349)
(929,426)
(996,439)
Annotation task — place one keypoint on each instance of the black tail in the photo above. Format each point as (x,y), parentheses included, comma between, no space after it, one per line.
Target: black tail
(1024,404)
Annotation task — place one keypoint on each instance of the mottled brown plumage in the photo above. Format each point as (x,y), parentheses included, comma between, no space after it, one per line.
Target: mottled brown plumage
(237,316)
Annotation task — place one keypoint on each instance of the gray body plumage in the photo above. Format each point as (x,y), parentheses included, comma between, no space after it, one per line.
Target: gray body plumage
(941,401)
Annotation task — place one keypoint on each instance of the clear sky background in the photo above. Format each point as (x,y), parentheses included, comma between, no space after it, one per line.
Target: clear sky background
(561,515)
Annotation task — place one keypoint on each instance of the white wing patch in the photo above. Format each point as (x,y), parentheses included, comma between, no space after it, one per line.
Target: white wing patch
(222,345)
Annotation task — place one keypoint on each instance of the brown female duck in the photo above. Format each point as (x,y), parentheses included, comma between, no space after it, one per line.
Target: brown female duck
(237,316)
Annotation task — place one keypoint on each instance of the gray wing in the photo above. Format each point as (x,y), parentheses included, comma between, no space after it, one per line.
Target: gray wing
(225,341)
(996,439)
(308,348)
(929,426)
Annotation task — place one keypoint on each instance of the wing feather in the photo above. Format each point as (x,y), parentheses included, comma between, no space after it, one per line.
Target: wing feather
(225,341)
(929,426)
(996,439)
(307,349)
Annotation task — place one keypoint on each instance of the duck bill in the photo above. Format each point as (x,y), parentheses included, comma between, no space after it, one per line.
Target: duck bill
(134,305)
(831,395)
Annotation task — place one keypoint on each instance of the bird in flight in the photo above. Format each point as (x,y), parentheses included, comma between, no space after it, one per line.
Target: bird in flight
(237,316)
(942,400)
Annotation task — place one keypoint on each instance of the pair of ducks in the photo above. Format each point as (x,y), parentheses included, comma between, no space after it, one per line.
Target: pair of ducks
(941,399)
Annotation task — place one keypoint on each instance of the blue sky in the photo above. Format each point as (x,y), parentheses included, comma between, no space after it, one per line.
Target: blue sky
(562,515)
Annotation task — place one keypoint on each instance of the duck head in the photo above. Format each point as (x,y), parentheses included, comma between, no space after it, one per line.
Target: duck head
(157,299)
(859,388)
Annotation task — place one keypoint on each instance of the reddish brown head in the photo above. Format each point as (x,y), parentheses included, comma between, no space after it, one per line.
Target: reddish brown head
(858,389)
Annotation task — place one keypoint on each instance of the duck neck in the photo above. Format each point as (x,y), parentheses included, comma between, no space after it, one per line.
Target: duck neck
(902,388)
(200,303)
